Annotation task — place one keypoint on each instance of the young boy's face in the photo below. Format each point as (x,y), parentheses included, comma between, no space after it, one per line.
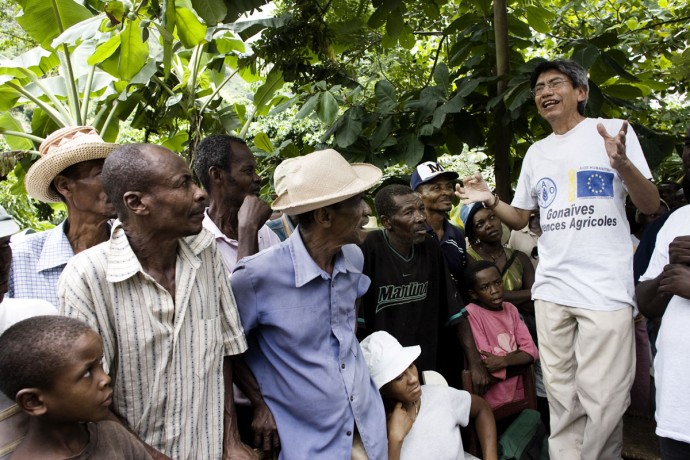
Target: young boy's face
(81,392)
(487,291)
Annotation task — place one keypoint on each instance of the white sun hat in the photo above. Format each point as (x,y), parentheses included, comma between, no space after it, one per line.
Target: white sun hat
(386,358)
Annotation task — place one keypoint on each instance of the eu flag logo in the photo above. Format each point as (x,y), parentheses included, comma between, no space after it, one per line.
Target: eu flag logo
(591,183)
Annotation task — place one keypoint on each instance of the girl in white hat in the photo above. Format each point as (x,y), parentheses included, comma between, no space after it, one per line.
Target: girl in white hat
(423,420)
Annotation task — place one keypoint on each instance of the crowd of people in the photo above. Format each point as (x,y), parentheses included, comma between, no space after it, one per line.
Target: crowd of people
(163,319)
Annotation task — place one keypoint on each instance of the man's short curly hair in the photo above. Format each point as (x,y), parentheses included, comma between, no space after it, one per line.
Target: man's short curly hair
(474,268)
(215,151)
(384,201)
(126,169)
(33,351)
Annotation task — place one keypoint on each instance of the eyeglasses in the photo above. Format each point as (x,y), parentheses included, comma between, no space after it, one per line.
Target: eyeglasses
(553,84)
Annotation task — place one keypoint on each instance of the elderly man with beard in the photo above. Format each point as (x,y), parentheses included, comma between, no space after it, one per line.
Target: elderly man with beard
(297,304)
(412,296)
(158,294)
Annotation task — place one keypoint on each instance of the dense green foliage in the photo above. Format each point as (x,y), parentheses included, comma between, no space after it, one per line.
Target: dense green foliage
(386,81)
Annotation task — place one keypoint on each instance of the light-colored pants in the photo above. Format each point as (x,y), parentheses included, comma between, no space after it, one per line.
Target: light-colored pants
(588,362)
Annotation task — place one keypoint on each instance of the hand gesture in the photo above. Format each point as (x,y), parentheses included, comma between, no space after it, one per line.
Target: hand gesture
(399,423)
(252,214)
(239,451)
(615,145)
(675,280)
(493,362)
(265,429)
(474,189)
(481,380)
(679,250)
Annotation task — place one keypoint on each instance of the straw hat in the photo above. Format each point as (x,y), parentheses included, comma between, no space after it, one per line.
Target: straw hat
(386,358)
(62,149)
(323,178)
(280,174)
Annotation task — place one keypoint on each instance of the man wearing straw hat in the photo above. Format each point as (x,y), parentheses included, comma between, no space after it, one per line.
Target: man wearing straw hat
(68,171)
(297,305)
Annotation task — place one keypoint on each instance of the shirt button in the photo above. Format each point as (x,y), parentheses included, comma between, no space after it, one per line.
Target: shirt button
(352,398)
(342,366)
(349,433)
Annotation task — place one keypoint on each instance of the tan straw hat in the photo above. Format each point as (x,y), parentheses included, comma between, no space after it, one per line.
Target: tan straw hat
(62,149)
(323,178)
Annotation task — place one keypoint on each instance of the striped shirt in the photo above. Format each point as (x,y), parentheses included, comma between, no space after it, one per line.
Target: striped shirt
(165,354)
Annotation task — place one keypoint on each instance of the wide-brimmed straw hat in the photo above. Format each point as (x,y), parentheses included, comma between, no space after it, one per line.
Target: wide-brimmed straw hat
(62,149)
(323,178)
(386,358)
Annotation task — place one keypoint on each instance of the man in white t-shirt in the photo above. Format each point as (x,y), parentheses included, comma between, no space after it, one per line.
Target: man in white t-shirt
(664,289)
(578,177)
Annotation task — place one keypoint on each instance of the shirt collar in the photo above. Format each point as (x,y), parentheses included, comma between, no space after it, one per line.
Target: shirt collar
(448,233)
(123,263)
(305,267)
(215,231)
(56,249)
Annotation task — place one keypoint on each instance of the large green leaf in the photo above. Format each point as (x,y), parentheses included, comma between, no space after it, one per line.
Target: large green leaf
(327,109)
(381,133)
(623,91)
(350,128)
(386,99)
(237,8)
(133,51)
(8,123)
(8,97)
(44,20)
(262,142)
(539,18)
(38,60)
(211,11)
(189,29)
(308,107)
(441,77)
(274,81)
(84,30)
(105,50)
(411,149)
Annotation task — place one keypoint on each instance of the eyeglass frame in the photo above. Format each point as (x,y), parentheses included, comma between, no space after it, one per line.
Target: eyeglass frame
(552,84)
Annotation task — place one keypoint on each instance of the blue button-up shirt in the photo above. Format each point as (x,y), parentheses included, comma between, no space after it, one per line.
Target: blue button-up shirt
(37,263)
(303,352)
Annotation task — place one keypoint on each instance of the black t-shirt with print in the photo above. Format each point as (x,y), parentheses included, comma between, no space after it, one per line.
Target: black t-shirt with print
(411,298)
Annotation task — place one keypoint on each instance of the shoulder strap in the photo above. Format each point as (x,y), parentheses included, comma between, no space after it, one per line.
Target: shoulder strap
(509,262)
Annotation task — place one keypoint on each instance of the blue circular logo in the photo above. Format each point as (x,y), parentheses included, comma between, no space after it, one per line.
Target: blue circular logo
(546,192)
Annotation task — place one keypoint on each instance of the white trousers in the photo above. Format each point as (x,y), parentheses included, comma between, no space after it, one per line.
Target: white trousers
(588,363)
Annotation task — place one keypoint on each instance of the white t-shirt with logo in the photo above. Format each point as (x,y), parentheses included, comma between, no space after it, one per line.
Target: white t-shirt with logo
(672,361)
(585,255)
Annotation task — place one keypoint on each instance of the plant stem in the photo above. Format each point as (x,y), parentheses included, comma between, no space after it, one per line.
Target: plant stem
(50,111)
(31,137)
(87,93)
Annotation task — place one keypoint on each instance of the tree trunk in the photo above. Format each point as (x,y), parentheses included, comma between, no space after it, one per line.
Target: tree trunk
(501,128)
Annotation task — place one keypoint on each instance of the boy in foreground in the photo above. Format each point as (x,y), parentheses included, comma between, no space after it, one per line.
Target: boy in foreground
(52,367)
